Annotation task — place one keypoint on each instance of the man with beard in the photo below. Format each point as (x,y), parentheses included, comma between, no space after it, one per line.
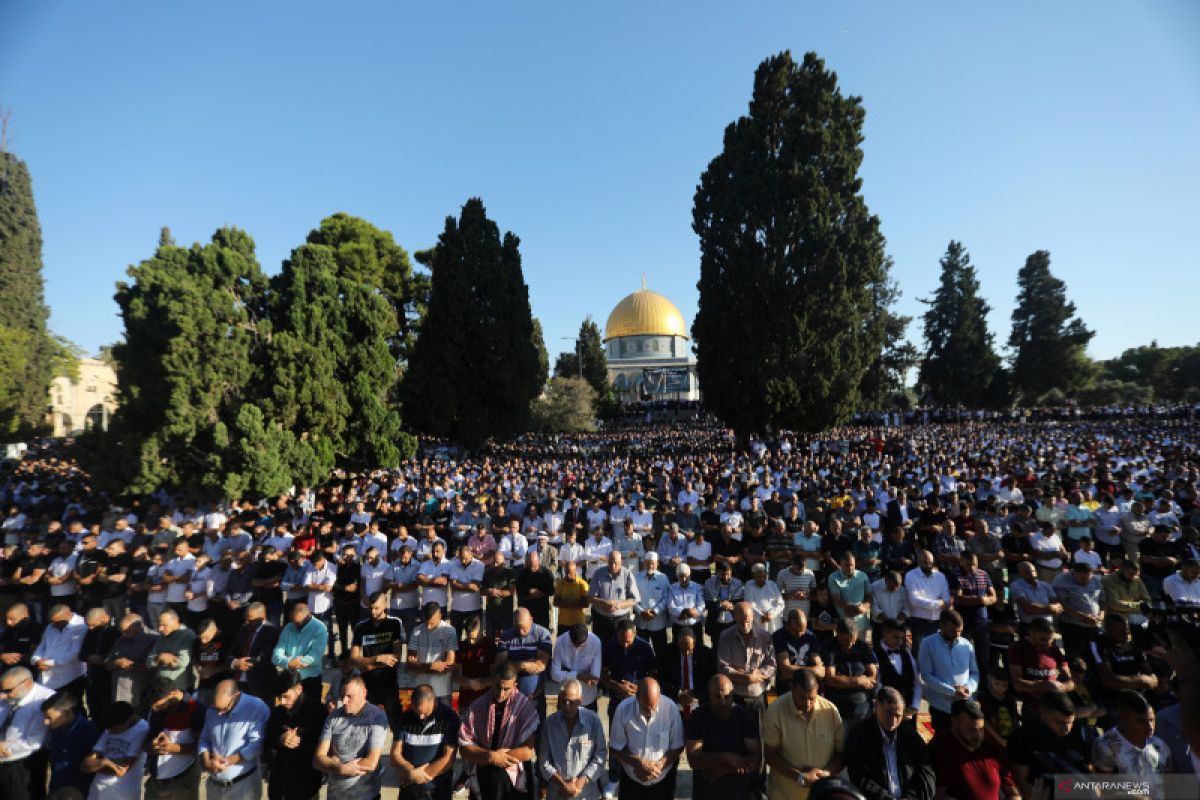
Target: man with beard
(796,648)
(426,741)
(722,745)
(968,764)
(251,653)
(498,734)
(378,648)
(175,723)
(345,597)
(291,737)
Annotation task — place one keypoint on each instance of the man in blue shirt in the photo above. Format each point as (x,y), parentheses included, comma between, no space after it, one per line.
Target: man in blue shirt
(301,647)
(948,668)
(231,743)
(71,737)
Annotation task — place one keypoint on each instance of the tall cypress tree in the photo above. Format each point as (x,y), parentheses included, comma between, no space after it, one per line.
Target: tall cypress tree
(791,258)
(1048,341)
(23,311)
(475,368)
(960,358)
(595,363)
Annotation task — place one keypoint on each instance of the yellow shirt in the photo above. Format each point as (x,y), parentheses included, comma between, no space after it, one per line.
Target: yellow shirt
(565,589)
(802,741)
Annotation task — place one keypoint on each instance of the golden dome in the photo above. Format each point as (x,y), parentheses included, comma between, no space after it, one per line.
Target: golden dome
(645,313)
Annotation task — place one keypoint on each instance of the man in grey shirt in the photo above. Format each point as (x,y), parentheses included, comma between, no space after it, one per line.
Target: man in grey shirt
(351,745)
(1032,598)
(613,594)
(127,661)
(1080,593)
(573,751)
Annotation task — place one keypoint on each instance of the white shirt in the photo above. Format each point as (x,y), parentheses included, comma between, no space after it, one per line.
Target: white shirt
(435,594)
(471,573)
(1047,544)
(766,601)
(514,546)
(596,553)
(201,587)
(680,597)
(886,604)
(1182,591)
(369,540)
(924,592)
(27,733)
(571,552)
(654,590)
(114,746)
(318,601)
(59,568)
(61,649)
(650,739)
(569,661)
(700,553)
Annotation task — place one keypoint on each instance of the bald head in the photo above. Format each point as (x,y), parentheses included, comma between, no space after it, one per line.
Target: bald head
(648,695)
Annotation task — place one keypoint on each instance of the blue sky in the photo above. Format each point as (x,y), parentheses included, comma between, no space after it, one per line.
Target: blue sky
(1071,127)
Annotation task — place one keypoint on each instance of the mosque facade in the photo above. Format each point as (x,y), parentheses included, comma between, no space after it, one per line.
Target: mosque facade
(648,349)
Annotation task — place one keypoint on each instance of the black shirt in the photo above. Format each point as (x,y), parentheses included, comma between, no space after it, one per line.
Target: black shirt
(377,637)
(1045,753)
(498,578)
(721,735)
(539,607)
(423,741)
(348,574)
(852,663)
(265,571)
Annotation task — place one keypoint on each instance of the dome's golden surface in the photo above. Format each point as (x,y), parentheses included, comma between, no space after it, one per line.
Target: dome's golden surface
(645,313)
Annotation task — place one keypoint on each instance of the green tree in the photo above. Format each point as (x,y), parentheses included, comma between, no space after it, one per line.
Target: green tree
(23,311)
(475,368)
(567,406)
(595,362)
(543,357)
(791,258)
(194,319)
(333,372)
(960,358)
(884,384)
(371,256)
(1048,341)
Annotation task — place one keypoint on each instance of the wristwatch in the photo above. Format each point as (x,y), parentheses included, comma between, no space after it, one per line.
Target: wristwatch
(800,779)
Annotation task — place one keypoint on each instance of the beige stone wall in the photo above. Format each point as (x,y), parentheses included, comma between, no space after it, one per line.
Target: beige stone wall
(94,395)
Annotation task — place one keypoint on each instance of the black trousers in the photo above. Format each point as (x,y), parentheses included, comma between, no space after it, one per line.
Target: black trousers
(494,784)
(629,789)
(604,628)
(25,778)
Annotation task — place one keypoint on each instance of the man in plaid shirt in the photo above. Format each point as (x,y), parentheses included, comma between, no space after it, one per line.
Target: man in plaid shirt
(972,592)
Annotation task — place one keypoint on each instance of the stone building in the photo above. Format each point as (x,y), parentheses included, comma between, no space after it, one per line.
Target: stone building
(80,405)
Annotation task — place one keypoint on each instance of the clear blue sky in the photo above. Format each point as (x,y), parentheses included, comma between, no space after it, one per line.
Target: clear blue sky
(1072,127)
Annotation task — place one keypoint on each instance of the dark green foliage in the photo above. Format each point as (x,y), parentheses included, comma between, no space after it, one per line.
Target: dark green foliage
(1170,373)
(595,362)
(29,349)
(960,359)
(330,368)
(792,269)
(194,321)
(475,368)
(543,357)
(884,383)
(370,255)
(1047,340)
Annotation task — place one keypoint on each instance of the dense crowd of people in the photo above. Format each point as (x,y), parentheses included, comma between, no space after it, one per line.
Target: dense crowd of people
(968,609)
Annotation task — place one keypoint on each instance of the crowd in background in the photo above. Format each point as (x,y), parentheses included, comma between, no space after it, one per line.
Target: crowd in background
(978,605)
